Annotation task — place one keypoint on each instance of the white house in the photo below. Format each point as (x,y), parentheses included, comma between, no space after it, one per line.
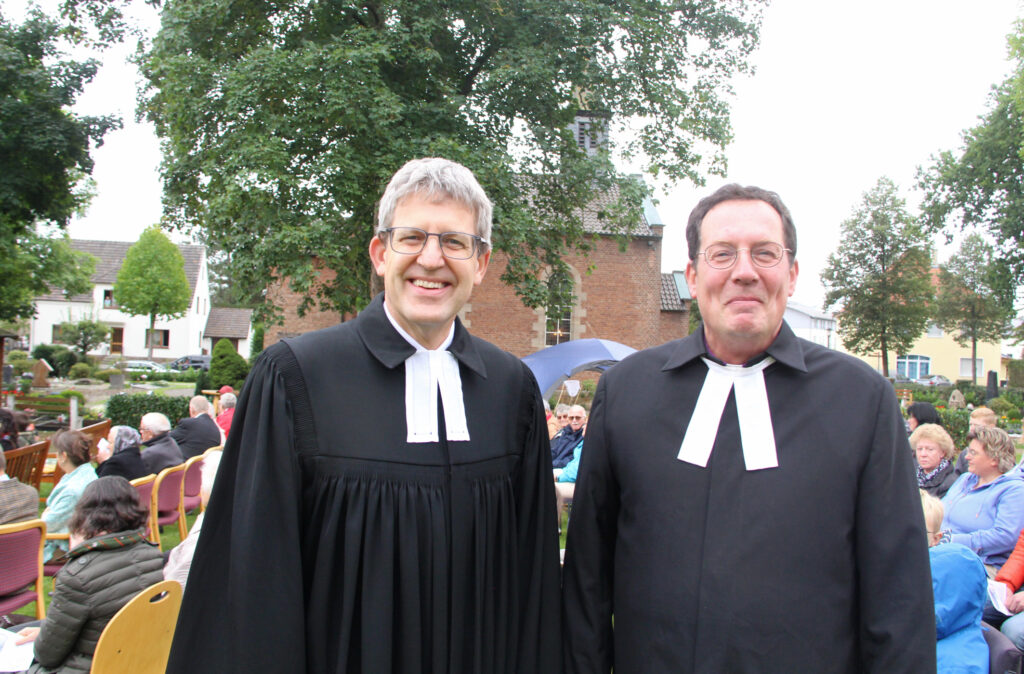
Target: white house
(128,334)
(811,324)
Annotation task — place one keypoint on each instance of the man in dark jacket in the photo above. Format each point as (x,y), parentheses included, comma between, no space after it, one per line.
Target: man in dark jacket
(199,431)
(161,451)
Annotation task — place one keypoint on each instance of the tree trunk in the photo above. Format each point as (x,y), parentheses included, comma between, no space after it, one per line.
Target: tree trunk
(885,357)
(974,361)
(152,334)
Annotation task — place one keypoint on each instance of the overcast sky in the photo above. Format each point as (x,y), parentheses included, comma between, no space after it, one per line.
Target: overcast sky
(843,93)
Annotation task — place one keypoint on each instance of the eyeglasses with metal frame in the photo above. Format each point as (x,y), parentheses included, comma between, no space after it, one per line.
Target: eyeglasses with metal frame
(723,255)
(454,245)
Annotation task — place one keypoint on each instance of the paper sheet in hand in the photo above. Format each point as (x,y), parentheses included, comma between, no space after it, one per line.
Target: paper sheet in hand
(997,595)
(14,658)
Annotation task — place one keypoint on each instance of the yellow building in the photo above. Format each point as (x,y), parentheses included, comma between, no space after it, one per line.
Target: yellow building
(936,352)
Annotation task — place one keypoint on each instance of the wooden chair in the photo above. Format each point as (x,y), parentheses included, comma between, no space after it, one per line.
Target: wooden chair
(165,502)
(144,485)
(52,569)
(26,463)
(21,558)
(96,432)
(137,640)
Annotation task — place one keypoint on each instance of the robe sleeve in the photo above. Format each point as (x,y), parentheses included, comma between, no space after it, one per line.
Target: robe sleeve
(243,608)
(588,577)
(897,612)
(540,634)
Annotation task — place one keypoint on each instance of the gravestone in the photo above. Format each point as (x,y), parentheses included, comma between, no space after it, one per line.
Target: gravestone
(8,375)
(992,389)
(40,371)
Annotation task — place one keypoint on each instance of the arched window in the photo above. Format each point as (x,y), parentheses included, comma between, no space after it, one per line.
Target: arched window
(559,313)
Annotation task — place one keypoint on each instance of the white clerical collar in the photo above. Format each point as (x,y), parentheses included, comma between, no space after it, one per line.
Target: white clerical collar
(425,372)
(756,433)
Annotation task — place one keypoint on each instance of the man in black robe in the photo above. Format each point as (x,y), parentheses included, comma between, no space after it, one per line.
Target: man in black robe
(384,502)
(746,501)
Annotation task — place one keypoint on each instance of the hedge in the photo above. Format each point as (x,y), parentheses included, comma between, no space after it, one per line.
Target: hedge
(126,409)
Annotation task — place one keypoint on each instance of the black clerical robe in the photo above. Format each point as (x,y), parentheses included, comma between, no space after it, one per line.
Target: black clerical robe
(818,565)
(332,545)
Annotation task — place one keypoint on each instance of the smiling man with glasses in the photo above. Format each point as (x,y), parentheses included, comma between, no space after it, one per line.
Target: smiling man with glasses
(747,500)
(384,504)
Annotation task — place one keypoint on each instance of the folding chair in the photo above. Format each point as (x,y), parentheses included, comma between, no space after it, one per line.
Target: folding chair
(21,558)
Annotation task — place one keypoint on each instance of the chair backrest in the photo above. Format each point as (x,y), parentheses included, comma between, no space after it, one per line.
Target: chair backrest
(137,640)
(167,489)
(26,463)
(21,558)
(95,432)
(144,486)
(193,476)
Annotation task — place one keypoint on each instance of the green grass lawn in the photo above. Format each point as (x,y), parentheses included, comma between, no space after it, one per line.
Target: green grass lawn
(168,539)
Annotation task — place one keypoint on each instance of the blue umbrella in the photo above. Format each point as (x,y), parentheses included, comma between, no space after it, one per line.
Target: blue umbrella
(553,365)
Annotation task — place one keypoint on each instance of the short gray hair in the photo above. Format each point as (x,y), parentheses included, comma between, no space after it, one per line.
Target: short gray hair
(199,404)
(579,408)
(228,400)
(436,180)
(155,422)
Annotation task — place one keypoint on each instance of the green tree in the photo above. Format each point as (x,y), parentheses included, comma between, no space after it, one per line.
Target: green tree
(44,158)
(282,122)
(879,276)
(980,186)
(973,302)
(85,335)
(227,366)
(152,281)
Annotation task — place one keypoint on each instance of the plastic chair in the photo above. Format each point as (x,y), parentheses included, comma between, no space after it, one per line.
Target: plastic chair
(21,558)
(165,502)
(190,485)
(137,640)
(144,486)
(26,463)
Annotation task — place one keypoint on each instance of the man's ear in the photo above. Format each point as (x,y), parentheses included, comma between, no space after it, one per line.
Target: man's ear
(378,251)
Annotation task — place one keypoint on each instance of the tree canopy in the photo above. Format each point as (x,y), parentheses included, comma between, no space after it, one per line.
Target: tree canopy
(282,122)
(981,185)
(44,157)
(152,281)
(974,302)
(85,335)
(879,277)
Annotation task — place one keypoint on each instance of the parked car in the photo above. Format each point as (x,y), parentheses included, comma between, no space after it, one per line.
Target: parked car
(143,366)
(933,380)
(191,363)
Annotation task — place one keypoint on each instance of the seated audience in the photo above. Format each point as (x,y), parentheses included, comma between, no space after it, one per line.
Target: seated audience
(8,430)
(981,417)
(227,404)
(180,560)
(565,478)
(922,413)
(110,563)
(565,441)
(199,431)
(159,448)
(934,451)
(561,416)
(985,507)
(551,419)
(121,455)
(72,448)
(18,502)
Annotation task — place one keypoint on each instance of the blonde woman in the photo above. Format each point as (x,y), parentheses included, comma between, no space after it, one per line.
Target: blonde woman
(934,450)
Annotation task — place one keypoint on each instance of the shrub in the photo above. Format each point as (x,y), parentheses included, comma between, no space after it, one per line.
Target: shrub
(71,393)
(1004,408)
(22,365)
(957,423)
(202,383)
(227,366)
(104,375)
(256,345)
(80,371)
(15,354)
(1015,372)
(127,408)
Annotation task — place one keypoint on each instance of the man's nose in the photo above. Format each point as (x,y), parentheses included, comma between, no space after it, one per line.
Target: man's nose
(744,268)
(431,255)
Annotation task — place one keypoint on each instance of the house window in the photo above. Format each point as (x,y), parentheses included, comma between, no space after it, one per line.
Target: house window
(161,340)
(934,330)
(559,317)
(108,300)
(913,366)
(965,367)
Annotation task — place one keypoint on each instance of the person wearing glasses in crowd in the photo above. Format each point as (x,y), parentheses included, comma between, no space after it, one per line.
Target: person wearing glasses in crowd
(384,502)
(747,500)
